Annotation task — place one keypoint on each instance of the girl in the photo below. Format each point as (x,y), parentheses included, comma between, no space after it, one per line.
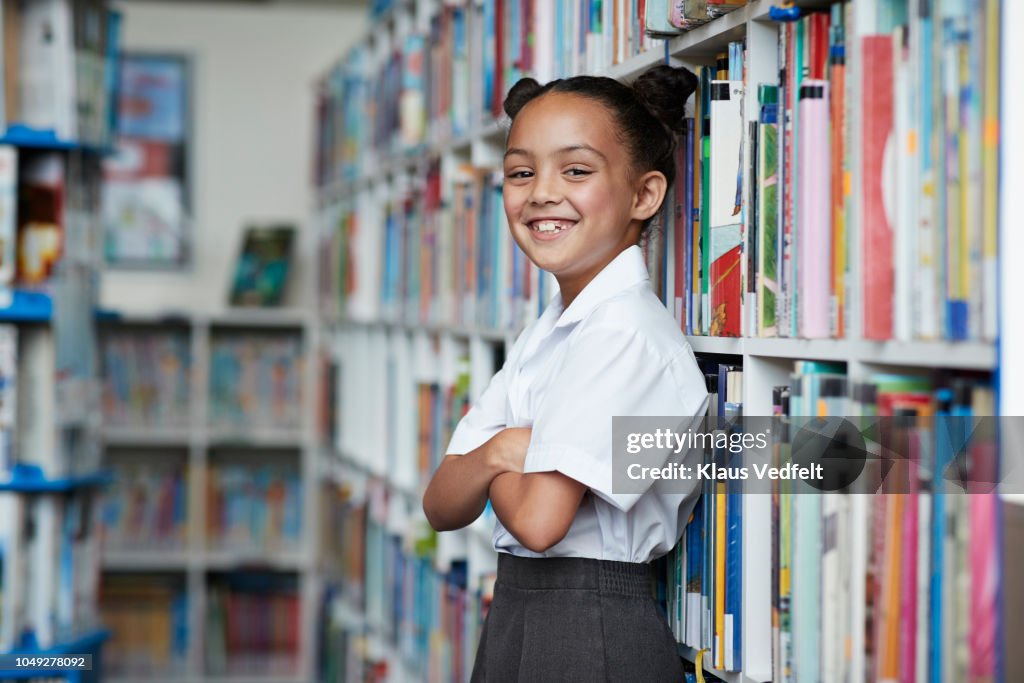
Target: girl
(587,164)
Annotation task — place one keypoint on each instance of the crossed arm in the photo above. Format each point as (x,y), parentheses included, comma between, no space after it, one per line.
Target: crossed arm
(537,508)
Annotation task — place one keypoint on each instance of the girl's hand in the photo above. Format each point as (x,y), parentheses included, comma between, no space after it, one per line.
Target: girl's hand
(508,449)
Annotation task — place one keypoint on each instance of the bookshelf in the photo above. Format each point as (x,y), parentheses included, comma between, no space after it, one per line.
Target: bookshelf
(360,183)
(230,491)
(55,125)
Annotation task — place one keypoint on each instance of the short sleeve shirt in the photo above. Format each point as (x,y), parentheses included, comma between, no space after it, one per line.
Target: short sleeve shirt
(615,351)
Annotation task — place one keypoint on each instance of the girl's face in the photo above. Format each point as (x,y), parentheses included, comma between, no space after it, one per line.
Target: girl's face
(570,202)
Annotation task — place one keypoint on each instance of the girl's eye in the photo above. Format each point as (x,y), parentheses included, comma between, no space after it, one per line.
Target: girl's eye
(578,172)
(517,175)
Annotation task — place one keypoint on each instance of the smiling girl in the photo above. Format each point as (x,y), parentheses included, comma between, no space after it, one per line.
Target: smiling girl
(587,164)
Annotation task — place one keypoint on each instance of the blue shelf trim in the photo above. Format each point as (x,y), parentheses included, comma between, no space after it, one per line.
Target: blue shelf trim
(20,135)
(88,643)
(30,479)
(82,645)
(28,307)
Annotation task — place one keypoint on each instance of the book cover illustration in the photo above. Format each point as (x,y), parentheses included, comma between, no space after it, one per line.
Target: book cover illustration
(261,273)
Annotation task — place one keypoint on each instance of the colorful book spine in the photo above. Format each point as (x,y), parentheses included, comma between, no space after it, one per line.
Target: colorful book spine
(724,228)
(877,240)
(814,273)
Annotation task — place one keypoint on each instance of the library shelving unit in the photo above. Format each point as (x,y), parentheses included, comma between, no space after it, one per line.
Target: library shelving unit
(422,293)
(209,528)
(55,125)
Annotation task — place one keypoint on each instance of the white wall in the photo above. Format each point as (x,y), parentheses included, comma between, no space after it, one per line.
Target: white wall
(252,139)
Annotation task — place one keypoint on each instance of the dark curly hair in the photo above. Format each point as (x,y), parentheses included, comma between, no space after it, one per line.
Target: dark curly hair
(649,113)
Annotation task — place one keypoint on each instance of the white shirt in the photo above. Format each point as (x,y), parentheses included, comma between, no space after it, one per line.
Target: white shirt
(615,351)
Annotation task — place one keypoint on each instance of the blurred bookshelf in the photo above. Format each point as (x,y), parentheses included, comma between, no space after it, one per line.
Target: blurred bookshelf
(55,124)
(208,433)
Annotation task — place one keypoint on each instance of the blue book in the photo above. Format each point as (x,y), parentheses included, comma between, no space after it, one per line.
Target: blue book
(943,456)
(734,561)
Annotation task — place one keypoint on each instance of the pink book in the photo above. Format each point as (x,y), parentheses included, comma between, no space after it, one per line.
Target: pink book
(984,573)
(814,217)
(877,120)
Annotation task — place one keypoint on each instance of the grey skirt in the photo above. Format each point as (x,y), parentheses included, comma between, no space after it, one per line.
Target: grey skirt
(574,619)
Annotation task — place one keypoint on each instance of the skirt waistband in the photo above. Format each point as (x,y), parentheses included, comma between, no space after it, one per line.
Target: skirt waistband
(576,573)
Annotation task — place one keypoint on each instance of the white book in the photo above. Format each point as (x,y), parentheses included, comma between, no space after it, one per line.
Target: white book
(8,397)
(924,540)
(42,582)
(8,219)
(13,569)
(36,415)
(906,183)
(46,87)
(830,589)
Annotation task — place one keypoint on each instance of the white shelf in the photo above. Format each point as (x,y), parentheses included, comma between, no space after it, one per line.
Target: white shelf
(255,558)
(147,436)
(960,355)
(276,318)
(147,560)
(248,437)
(461,331)
(690,654)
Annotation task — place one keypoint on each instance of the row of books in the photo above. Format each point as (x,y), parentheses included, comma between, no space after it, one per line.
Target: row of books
(252,625)
(146,378)
(826,191)
(148,619)
(60,60)
(49,569)
(438,410)
(45,399)
(254,508)
(776,261)
(146,506)
(255,381)
(436,80)
(429,619)
(705,582)
(883,583)
(421,259)
(399,400)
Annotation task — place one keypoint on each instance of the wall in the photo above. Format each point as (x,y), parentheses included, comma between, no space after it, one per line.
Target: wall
(252,139)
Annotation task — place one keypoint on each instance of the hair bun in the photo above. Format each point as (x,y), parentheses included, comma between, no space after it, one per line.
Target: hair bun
(664,90)
(519,94)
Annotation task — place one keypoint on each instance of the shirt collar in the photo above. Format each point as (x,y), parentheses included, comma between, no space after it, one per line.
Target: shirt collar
(624,271)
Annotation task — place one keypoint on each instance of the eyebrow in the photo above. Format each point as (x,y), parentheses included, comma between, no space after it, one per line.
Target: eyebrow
(571,148)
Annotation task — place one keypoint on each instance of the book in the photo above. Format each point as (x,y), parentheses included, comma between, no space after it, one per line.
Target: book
(263,265)
(725,290)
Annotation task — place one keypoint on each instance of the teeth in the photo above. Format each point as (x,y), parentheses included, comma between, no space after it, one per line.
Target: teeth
(550,226)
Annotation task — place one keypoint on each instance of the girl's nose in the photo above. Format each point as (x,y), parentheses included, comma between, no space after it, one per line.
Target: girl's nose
(544,189)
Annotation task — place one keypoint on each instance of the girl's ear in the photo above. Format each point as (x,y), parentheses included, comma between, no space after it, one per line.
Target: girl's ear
(650,191)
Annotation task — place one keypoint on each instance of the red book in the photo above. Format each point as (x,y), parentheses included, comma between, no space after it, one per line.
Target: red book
(726,294)
(878,128)
(499,58)
(818,25)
